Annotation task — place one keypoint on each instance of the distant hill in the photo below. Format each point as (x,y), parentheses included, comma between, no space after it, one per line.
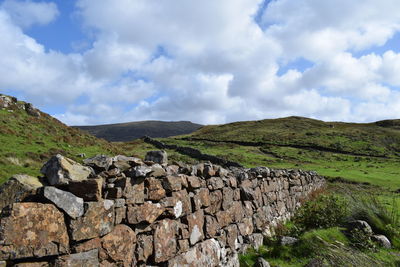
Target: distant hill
(123,132)
(380,138)
(29,137)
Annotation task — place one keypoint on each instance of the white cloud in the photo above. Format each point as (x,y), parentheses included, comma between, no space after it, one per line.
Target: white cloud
(26,13)
(209,61)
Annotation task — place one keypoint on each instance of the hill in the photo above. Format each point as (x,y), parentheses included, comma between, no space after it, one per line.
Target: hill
(123,132)
(361,152)
(28,137)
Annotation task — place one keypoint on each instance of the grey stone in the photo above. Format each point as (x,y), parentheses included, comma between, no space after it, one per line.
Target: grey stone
(159,157)
(99,162)
(140,171)
(261,263)
(83,259)
(362,225)
(382,240)
(66,201)
(288,240)
(61,170)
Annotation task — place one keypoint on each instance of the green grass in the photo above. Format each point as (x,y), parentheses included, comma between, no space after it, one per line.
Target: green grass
(27,142)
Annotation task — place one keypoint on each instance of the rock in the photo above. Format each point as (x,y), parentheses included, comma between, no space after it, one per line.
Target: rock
(31,110)
(246,227)
(7,101)
(206,253)
(17,188)
(183,197)
(89,245)
(124,163)
(215,183)
(134,193)
(165,245)
(99,162)
(382,240)
(362,225)
(159,157)
(157,171)
(32,230)
(261,263)
(155,190)
(89,190)
(215,202)
(61,170)
(144,247)
(172,183)
(196,222)
(227,200)
(30,264)
(288,240)
(120,214)
(82,259)
(119,246)
(232,234)
(98,220)
(139,171)
(148,212)
(173,206)
(66,201)
(211,226)
(256,240)
(193,182)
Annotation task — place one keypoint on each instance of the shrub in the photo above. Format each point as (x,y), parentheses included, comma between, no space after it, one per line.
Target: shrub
(326,210)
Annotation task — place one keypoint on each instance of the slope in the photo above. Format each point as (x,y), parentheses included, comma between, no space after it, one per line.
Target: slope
(28,137)
(123,132)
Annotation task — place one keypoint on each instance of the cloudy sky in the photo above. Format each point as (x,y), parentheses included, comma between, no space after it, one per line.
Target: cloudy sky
(209,61)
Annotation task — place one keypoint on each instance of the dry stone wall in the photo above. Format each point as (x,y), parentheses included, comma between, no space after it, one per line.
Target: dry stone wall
(122,211)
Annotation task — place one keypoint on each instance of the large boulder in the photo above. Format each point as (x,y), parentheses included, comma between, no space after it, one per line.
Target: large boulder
(66,201)
(61,170)
(32,230)
(17,188)
(159,157)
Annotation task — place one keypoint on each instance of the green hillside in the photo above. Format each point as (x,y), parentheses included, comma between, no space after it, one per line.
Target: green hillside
(366,153)
(372,139)
(27,141)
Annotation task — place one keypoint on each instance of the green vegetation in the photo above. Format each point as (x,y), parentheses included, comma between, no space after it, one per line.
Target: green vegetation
(319,227)
(27,142)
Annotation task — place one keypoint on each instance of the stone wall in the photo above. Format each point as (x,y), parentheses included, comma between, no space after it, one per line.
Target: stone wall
(123,211)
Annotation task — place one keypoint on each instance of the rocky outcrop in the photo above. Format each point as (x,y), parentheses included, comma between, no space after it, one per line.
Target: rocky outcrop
(11,103)
(121,211)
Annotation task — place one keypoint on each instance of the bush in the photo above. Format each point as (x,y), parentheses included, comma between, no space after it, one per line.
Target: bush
(326,210)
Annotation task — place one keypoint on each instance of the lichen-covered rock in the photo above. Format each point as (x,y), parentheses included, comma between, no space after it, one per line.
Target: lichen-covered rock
(215,202)
(89,190)
(66,201)
(98,220)
(144,247)
(32,230)
(159,157)
(61,170)
(155,190)
(196,222)
(172,183)
(99,162)
(165,245)
(148,212)
(119,246)
(29,264)
(17,188)
(205,254)
(211,226)
(83,259)
(183,197)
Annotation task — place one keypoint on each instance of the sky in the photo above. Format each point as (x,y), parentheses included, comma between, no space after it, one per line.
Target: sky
(90,62)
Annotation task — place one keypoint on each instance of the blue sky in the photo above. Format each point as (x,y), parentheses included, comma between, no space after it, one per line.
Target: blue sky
(95,62)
